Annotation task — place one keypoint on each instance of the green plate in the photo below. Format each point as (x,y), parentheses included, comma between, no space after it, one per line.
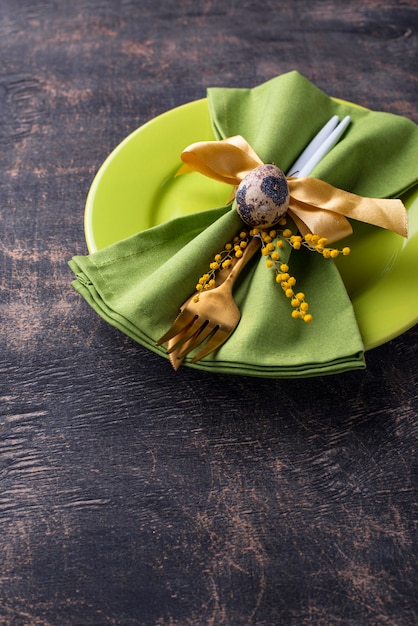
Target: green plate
(136,188)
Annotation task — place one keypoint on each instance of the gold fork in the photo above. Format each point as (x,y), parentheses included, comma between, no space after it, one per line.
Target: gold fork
(213,317)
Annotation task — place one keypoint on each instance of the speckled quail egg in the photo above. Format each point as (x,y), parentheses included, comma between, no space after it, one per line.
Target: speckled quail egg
(262,197)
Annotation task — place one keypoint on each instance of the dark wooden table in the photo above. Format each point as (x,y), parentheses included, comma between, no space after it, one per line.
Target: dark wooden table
(134,495)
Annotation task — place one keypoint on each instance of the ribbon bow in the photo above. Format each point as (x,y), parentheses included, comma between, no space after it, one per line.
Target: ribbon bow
(315,206)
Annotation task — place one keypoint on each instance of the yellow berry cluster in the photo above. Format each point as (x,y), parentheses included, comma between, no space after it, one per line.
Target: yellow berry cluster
(315,243)
(271,245)
(222,261)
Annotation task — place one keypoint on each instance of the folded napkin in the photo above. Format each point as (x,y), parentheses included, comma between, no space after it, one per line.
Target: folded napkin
(139,284)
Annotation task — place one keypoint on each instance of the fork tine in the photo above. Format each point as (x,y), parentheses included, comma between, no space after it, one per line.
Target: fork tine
(185,334)
(197,339)
(177,357)
(175,360)
(182,322)
(218,338)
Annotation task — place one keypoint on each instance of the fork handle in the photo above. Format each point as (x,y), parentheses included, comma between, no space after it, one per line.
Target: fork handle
(240,263)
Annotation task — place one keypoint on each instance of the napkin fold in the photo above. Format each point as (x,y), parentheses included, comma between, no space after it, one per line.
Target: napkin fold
(376,158)
(139,284)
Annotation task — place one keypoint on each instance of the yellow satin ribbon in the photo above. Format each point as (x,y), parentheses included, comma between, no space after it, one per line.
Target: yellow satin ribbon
(316,206)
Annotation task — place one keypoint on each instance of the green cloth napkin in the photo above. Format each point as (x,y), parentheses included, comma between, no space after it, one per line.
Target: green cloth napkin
(139,284)
(377,157)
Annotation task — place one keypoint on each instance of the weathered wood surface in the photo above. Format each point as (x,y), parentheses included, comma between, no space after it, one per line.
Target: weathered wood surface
(136,496)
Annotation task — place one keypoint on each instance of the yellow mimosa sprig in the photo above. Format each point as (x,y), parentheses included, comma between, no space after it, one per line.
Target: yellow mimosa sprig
(314,243)
(271,245)
(273,240)
(222,261)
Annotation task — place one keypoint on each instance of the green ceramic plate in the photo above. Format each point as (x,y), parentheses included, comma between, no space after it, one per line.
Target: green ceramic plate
(135,189)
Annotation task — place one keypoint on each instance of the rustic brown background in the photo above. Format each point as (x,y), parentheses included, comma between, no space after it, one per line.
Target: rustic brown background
(130,494)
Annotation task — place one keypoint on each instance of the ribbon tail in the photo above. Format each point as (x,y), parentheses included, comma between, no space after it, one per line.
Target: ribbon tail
(323,209)
(310,219)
